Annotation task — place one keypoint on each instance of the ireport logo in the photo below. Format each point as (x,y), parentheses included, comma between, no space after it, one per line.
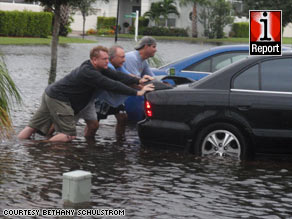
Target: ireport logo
(265,32)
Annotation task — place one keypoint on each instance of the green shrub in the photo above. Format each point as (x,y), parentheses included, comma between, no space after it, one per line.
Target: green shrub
(143,21)
(106,22)
(240,29)
(105,31)
(65,28)
(26,23)
(91,32)
(160,31)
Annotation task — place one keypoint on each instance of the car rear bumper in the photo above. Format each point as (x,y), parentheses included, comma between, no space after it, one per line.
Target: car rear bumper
(163,132)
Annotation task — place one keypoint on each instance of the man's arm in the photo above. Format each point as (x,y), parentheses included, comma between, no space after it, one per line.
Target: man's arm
(118,87)
(147,70)
(124,70)
(94,78)
(120,76)
(131,64)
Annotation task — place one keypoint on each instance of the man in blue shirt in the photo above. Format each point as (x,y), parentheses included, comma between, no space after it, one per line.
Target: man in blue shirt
(109,103)
(66,98)
(106,102)
(136,61)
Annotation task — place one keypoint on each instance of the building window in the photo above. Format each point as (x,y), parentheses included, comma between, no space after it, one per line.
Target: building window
(171,22)
(191,16)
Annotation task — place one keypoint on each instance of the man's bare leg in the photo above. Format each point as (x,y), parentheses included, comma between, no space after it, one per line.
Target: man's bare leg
(122,119)
(60,137)
(91,128)
(26,133)
(51,130)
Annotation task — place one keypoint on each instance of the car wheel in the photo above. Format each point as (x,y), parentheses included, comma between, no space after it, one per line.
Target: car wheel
(221,139)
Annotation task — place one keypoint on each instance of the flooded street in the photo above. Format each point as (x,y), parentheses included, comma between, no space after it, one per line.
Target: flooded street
(146,182)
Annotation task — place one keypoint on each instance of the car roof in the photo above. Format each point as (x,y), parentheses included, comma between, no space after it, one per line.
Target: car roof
(206,53)
(218,78)
(198,56)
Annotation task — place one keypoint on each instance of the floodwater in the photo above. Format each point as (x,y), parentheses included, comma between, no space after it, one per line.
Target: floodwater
(146,182)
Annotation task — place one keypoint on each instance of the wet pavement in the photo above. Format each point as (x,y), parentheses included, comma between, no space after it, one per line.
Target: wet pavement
(146,182)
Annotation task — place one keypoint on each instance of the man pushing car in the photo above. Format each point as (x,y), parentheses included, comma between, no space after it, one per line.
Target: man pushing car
(66,97)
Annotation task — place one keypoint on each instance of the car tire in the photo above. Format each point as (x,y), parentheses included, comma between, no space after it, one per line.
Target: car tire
(223,140)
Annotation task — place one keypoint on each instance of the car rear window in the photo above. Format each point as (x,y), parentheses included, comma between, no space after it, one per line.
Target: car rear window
(276,75)
(270,75)
(248,80)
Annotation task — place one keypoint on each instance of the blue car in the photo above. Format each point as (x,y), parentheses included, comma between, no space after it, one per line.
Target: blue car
(194,67)
(204,63)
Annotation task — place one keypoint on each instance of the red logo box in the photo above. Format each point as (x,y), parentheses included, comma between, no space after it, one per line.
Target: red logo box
(265,32)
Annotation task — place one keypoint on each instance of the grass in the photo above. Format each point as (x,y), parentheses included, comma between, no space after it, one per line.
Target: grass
(65,40)
(285,40)
(40,41)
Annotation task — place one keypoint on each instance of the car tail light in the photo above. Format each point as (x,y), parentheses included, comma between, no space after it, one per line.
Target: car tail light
(148,109)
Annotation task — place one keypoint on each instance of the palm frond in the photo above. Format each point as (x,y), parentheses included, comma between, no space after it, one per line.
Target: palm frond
(5,124)
(9,95)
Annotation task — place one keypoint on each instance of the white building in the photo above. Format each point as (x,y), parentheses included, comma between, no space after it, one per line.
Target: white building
(126,7)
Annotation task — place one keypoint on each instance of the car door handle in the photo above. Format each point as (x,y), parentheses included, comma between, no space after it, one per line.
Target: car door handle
(243,107)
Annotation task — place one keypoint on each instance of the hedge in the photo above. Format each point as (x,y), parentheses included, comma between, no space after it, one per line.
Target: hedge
(142,22)
(25,24)
(105,22)
(105,31)
(240,29)
(160,31)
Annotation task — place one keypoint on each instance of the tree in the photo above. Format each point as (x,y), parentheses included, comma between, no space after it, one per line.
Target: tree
(194,14)
(285,6)
(65,20)
(155,12)
(168,7)
(8,93)
(55,6)
(161,8)
(85,7)
(215,16)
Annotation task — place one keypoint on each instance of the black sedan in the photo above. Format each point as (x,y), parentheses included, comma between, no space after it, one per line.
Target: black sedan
(240,110)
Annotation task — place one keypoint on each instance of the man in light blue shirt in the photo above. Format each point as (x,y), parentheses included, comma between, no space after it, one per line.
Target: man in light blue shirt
(109,103)
(117,58)
(136,61)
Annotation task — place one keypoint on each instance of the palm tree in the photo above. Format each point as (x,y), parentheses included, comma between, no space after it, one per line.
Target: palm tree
(64,18)
(155,12)
(8,93)
(169,7)
(55,6)
(194,14)
(85,7)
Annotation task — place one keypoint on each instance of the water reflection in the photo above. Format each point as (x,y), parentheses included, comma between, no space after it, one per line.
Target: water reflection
(146,182)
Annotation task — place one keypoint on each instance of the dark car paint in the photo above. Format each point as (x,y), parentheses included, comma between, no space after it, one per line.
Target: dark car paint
(134,105)
(179,114)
